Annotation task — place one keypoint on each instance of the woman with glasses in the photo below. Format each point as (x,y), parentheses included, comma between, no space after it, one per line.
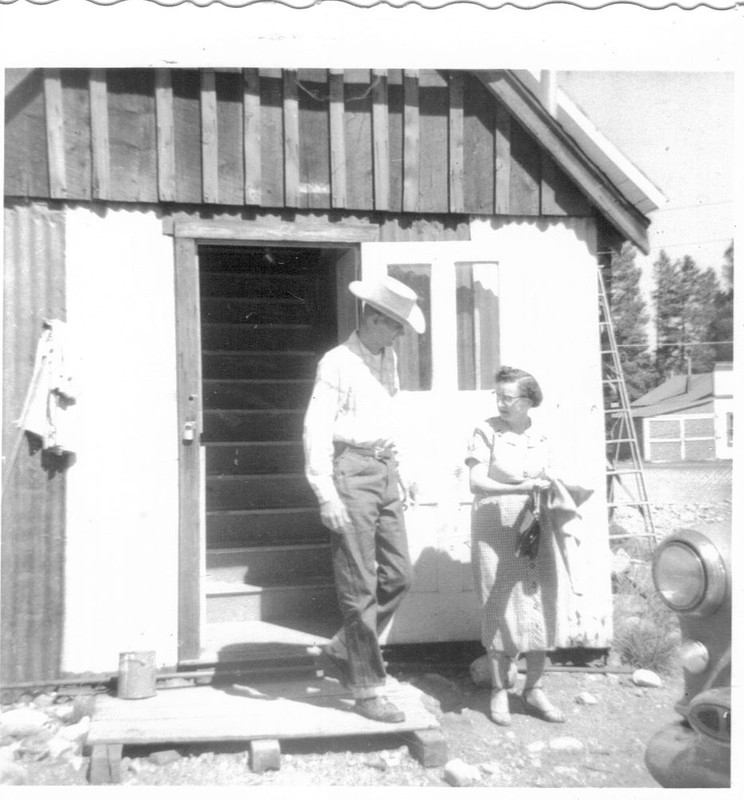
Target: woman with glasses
(508,457)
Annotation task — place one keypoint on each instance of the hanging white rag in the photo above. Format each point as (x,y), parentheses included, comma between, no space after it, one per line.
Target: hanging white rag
(48,411)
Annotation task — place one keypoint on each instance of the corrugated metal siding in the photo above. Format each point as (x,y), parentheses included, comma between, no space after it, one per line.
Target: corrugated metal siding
(33,512)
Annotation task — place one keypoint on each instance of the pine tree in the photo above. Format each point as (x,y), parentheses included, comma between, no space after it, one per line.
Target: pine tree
(685,309)
(722,327)
(630,319)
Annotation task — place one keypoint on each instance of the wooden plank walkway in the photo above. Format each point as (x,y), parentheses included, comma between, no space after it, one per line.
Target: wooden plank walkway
(260,713)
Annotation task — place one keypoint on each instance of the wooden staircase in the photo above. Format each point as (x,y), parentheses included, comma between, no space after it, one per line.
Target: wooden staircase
(263,330)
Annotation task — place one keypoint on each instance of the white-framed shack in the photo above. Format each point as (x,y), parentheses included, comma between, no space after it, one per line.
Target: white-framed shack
(194,232)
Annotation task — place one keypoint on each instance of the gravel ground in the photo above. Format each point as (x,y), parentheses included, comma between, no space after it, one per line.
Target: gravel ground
(610,719)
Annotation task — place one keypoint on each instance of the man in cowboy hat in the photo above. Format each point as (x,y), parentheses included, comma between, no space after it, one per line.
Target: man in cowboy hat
(351,463)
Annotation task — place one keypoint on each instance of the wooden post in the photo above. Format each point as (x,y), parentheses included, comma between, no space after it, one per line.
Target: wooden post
(264,754)
(105,764)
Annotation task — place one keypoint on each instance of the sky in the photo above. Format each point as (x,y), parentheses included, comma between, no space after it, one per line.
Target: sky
(678,129)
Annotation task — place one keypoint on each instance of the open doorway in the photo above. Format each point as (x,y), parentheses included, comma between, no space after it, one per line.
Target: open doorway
(267,314)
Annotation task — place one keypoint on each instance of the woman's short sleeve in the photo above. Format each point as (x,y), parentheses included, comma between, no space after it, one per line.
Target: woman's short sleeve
(479,447)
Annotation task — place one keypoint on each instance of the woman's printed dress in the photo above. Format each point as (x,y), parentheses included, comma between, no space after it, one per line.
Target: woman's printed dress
(517,596)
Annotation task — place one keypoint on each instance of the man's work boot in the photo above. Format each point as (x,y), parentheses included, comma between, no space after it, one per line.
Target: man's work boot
(379,709)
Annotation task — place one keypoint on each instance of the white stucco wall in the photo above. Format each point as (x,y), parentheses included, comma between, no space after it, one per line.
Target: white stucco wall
(122,506)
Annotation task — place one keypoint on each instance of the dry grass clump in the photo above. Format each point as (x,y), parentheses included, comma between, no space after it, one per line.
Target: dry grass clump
(646,631)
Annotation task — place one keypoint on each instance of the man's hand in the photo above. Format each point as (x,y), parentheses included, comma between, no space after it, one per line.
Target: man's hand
(334,516)
(409,492)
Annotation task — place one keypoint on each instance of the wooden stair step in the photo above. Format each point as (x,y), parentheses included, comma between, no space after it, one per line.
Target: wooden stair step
(240,492)
(252,426)
(250,284)
(232,602)
(269,566)
(257,394)
(255,458)
(218,365)
(243,310)
(265,527)
(253,336)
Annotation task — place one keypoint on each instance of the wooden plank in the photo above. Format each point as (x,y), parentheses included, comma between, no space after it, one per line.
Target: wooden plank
(252,136)
(132,135)
(524,178)
(188,359)
(301,230)
(479,148)
(338,140)
(456,143)
(411,141)
(272,140)
(105,764)
(229,88)
(213,713)
(433,182)
(209,140)
(55,128)
(502,147)
(291,140)
(358,133)
(560,196)
(26,171)
(380,140)
(166,145)
(76,100)
(187,135)
(576,165)
(314,141)
(99,129)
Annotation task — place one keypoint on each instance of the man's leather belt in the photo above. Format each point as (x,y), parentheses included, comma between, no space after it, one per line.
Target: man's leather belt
(380,453)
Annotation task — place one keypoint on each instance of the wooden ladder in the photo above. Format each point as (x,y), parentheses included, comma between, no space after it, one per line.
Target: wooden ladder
(623,453)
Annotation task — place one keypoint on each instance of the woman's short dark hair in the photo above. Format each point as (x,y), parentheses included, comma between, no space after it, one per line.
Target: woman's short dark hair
(528,385)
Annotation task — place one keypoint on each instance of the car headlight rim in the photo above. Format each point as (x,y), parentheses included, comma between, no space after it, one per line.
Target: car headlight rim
(696,554)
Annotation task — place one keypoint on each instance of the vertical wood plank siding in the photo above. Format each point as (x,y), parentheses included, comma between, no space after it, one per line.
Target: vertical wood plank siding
(456,143)
(252,137)
(33,513)
(380,140)
(338,139)
(418,142)
(411,164)
(210,163)
(55,127)
(99,134)
(166,150)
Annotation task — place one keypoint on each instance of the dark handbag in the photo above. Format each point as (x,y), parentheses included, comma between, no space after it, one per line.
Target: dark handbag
(528,541)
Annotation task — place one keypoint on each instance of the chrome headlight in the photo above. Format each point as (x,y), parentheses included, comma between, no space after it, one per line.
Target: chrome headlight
(689,574)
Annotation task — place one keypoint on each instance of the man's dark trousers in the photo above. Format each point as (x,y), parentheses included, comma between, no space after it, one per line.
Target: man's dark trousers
(371,565)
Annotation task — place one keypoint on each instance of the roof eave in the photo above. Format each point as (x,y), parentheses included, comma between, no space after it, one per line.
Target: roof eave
(536,119)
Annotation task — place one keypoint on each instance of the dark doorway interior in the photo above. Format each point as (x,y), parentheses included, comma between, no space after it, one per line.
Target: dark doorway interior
(267,314)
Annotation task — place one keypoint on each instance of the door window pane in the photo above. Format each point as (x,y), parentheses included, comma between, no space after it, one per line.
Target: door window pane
(414,351)
(477,324)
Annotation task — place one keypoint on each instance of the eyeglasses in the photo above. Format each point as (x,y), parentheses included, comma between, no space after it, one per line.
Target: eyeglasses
(507,398)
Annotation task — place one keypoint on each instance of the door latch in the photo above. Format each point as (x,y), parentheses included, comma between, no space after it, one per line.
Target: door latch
(189,432)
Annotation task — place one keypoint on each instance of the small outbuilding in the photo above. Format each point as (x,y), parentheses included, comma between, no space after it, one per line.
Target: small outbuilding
(177,247)
(688,417)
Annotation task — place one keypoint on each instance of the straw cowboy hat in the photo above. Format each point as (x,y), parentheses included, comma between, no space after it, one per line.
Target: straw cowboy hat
(392,298)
